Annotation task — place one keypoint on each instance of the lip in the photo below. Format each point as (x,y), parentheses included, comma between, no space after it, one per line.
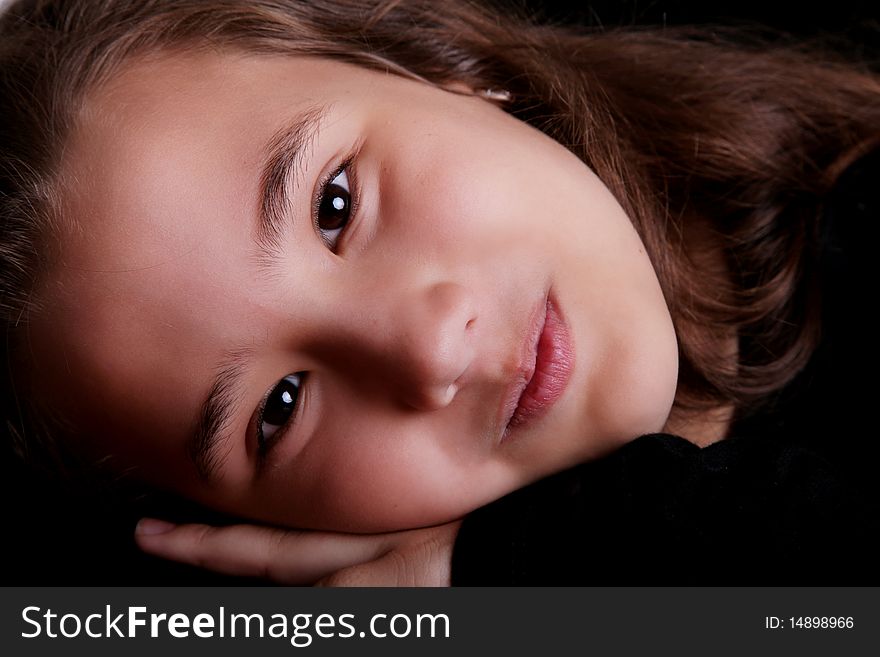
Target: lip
(545,373)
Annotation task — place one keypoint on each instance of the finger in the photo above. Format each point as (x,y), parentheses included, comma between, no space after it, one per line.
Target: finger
(425,563)
(387,570)
(284,556)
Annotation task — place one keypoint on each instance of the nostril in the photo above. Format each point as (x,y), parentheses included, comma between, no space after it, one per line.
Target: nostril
(431,398)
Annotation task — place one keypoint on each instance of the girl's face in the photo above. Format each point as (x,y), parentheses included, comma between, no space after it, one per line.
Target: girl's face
(311,294)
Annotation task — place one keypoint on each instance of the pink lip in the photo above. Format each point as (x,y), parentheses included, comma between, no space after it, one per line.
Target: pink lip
(548,370)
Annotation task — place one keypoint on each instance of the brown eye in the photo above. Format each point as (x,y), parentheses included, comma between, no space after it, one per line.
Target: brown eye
(334,209)
(279,407)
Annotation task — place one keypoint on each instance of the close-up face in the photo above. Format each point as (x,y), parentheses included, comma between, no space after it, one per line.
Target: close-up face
(303,292)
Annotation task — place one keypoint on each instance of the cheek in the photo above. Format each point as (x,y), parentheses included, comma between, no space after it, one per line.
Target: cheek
(389,473)
(463,190)
(638,381)
(382,484)
(624,334)
(636,369)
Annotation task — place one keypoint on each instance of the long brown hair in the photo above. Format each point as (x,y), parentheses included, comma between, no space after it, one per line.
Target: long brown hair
(712,141)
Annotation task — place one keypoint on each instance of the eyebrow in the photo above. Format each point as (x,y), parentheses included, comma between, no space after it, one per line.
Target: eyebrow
(206,445)
(282,171)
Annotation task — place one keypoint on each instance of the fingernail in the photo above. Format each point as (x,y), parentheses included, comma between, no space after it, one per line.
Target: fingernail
(151,526)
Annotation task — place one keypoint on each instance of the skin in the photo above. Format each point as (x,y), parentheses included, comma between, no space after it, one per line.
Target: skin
(412,332)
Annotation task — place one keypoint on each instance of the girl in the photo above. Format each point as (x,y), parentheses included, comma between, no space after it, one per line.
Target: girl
(365,267)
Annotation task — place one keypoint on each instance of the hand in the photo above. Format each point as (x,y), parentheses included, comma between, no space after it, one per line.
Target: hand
(417,557)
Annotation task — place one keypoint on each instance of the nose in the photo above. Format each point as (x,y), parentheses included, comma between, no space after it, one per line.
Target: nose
(428,344)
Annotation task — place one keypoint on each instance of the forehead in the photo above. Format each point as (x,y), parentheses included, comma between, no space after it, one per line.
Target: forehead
(167,156)
(171,134)
(158,171)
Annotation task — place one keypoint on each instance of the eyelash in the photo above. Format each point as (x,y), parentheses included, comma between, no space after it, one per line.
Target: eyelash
(264,445)
(347,167)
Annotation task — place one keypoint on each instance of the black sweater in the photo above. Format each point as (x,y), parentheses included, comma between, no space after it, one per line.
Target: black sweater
(792,497)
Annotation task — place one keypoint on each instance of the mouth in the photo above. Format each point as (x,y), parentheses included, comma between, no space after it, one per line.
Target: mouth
(546,371)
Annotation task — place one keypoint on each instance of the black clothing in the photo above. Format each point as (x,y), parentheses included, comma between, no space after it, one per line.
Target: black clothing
(790,498)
